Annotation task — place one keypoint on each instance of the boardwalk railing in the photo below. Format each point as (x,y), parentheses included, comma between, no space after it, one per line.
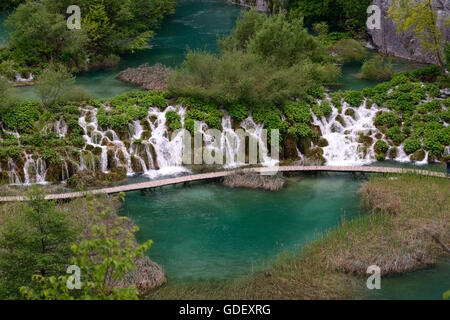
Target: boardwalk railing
(220,174)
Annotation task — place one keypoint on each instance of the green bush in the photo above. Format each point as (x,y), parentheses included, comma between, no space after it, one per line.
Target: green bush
(326,108)
(381,146)
(377,68)
(395,134)
(411,145)
(174,120)
(388,119)
(239,111)
(297,111)
(354,98)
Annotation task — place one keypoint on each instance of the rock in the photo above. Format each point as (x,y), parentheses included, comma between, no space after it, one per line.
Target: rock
(419,155)
(150,78)
(403,45)
(260,5)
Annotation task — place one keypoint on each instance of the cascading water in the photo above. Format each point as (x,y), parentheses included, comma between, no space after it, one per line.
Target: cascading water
(168,150)
(34,170)
(344,147)
(256,131)
(14,177)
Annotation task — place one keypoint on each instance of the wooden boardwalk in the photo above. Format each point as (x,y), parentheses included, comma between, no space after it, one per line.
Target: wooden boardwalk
(220,174)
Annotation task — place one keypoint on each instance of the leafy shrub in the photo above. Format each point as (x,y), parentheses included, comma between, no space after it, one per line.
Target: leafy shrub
(239,111)
(377,68)
(21,117)
(326,108)
(174,120)
(354,98)
(395,134)
(388,119)
(381,146)
(297,111)
(411,145)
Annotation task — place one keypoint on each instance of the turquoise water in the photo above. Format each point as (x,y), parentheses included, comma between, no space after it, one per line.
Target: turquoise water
(210,231)
(427,284)
(196,24)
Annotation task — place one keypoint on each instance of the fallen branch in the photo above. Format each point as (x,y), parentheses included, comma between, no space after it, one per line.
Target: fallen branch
(436,237)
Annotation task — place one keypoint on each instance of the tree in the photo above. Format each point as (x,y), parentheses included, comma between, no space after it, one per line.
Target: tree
(104,260)
(53,83)
(6,94)
(39,36)
(420,18)
(35,238)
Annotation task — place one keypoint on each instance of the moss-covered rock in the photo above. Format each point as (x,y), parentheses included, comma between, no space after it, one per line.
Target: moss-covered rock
(393,153)
(351,113)
(341,120)
(418,155)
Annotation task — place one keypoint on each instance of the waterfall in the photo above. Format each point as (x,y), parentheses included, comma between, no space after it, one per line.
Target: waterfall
(230,143)
(64,170)
(343,146)
(256,131)
(61,127)
(169,152)
(14,177)
(96,136)
(34,170)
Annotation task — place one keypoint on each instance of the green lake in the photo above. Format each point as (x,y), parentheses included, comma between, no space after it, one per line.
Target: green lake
(196,24)
(208,231)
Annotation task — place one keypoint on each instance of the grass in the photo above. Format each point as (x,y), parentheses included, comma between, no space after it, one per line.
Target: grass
(391,235)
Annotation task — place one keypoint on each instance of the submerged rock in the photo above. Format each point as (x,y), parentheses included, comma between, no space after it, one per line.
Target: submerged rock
(150,78)
(255,181)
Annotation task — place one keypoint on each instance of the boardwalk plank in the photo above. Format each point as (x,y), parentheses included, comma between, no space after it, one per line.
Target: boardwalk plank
(220,174)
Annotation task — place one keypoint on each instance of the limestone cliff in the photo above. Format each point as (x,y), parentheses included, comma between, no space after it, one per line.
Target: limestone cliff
(260,5)
(404,45)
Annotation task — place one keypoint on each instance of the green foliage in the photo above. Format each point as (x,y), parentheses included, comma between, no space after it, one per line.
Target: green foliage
(253,68)
(303,130)
(6,94)
(349,50)
(354,98)
(297,111)
(104,260)
(411,145)
(109,27)
(53,83)
(377,68)
(336,99)
(174,120)
(388,119)
(326,108)
(35,239)
(395,134)
(349,15)
(320,28)
(239,111)
(21,116)
(420,18)
(381,146)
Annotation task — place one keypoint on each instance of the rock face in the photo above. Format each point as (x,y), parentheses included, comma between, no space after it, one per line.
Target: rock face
(404,45)
(260,5)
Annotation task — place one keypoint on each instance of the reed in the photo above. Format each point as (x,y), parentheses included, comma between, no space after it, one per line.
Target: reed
(391,235)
